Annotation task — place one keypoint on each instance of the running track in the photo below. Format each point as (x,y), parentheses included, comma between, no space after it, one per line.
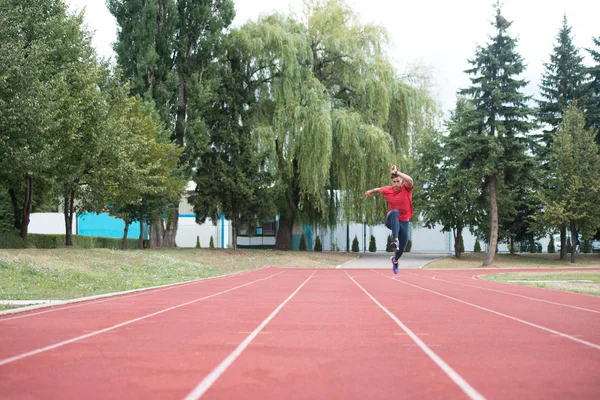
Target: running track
(310,334)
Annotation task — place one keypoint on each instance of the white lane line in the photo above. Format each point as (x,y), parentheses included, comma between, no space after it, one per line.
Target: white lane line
(216,373)
(115,296)
(456,378)
(517,295)
(593,345)
(110,328)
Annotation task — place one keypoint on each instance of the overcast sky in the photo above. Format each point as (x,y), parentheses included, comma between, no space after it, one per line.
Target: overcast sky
(438,34)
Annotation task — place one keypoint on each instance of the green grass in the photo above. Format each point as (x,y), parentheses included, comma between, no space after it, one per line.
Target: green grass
(587,282)
(61,274)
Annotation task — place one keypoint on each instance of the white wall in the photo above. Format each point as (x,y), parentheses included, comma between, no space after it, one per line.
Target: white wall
(49,223)
(188,230)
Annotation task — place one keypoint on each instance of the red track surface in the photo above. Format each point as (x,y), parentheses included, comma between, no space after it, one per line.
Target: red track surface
(304,334)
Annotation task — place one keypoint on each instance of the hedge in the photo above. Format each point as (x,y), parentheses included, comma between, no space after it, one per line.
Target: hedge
(12,240)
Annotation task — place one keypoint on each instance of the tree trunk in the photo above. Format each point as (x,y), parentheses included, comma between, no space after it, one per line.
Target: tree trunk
(457,241)
(512,244)
(563,243)
(157,230)
(26,207)
(170,232)
(283,240)
(16,209)
(489,257)
(142,236)
(573,241)
(68,213)
(124,241)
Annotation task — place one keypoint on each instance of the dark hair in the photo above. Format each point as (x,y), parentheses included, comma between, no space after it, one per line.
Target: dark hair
(394,175)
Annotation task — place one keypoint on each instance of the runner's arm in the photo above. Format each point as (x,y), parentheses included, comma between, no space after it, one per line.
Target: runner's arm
(368,193)
(408,182)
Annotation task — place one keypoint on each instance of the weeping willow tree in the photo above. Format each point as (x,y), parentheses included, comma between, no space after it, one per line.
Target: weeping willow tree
(334,111)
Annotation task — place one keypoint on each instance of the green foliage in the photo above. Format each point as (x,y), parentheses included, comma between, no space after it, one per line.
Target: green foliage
(302,245)
(212,243)
(408,246)
(11,240)
(569,245)
(198,242)
(462,245)
(532,247)
(355,247)
(372,245)
(388,246)
(477,247)
(496,145)
(571,197)
(551,247)
(318,245)
(587,246)
(562,83)
(593,88)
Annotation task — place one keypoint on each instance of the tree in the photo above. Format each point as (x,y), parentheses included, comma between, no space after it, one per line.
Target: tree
(318,245)
(302,245)
(450,192)
(355,247)
(325,84)
(572,197)
(234,174)
(41,45)
(500,119)
(593,110)
(372,245)
(167,48)
(551,248)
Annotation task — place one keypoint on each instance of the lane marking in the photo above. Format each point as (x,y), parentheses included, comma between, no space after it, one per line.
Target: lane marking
(593,345)
(216,373)
(453,375)
(514,294)
(115,296)
(110,328)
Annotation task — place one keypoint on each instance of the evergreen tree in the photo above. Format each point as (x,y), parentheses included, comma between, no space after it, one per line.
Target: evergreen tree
(355,247)
(302,245)
(571,199)
(388,246)
(197,242)
(500,119)
(563,82)
(372,245)
(211,244)
(551,248)
(593,109)
(167,49)
(318,245)
(477,247)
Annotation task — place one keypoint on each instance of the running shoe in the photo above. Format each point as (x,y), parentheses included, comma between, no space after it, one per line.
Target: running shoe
(394,265)
(395,245)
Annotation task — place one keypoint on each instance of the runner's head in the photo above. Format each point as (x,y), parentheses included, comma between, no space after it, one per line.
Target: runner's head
(396,182)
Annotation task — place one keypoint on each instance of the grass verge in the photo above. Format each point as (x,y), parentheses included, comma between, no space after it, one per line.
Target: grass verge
(62,274)
(587,282)
(519,260)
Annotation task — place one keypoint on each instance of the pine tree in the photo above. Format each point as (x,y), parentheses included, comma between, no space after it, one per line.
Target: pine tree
(388,246)
(318,245)
(593,106)
(372,245)
(500,119)
(212,243)
(562,83)
(477,247)
(302,245)
(355,247)
(551,248)
(197,242)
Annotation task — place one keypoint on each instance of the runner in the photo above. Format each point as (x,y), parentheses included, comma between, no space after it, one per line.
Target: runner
(400,211)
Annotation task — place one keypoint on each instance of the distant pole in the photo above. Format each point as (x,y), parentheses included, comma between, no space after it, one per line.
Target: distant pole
(364,237)
(347,237)
(222,231)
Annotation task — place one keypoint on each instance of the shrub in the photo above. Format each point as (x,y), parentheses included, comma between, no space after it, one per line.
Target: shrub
(551,248)
(372,245)
(587,246)
(212,243)
(355,248)
(408,246)
(11,240)
(532,248)
(388,246)
(477,247)
(302,246)
(197,241)
(318,246)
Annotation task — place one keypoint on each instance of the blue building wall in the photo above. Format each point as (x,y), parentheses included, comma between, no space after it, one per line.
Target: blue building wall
(91,224)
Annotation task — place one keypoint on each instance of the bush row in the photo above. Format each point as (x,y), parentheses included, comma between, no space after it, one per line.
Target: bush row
(11,240)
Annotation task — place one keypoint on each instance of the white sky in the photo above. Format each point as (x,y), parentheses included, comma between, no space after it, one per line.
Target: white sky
(438,34)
